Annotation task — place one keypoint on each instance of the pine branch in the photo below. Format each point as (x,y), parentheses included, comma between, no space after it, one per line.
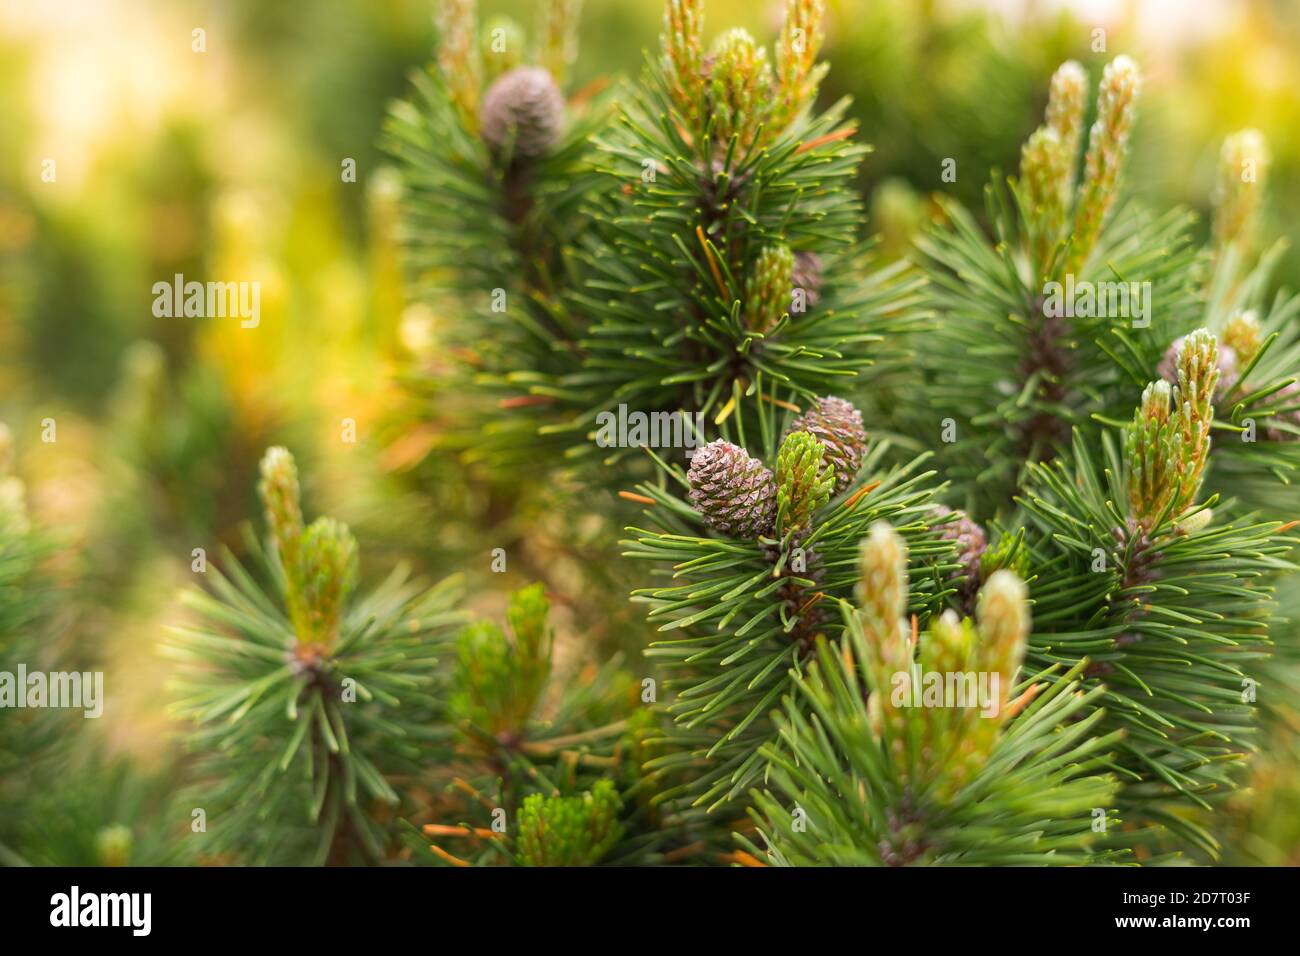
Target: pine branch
(1017,359)
(1026,348)
(306,701)
(545,772)
(494,186)
(865,774)
(708,240)
(1172,606)
(735,254)
(748,599)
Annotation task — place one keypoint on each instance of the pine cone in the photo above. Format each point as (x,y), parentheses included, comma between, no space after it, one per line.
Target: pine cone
(735,493)
(739,88)
(807,275)
(838,426)
(524,104)
(767,288)
(971,543)
(805,481)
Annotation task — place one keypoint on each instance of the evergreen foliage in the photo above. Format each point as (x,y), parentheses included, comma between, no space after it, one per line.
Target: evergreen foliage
(865,777)
(546,772)
(981,558)
(25,736)
(493,227)
(719,270)
(747,609)
(306,701)
(702,241)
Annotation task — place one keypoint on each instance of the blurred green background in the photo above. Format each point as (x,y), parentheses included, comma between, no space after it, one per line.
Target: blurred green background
(126,156)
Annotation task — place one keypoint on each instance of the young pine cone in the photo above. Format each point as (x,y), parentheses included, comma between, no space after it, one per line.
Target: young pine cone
(970,537)
(970,540)
(525,105)
(807,276)
(805,481)
(734,492)
(838,426)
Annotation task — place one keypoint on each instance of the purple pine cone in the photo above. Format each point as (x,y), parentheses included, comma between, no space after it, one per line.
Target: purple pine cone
(527,106)
(838,426)
(735,493)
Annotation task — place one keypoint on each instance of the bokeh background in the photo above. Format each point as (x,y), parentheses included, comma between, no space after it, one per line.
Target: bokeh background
(226,163)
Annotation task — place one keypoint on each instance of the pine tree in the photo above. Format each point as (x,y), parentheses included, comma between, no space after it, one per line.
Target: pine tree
(1152,593)
(1170,605)
(986,473)
(1163,587)
(1013,326)
(699,245)
(325,724)
(749,599)
(727,259)
(725,279)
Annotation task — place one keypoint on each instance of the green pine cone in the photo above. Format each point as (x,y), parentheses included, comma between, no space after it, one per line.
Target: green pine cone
(739,87)
(1168,444)
(767,289)
(804,480)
